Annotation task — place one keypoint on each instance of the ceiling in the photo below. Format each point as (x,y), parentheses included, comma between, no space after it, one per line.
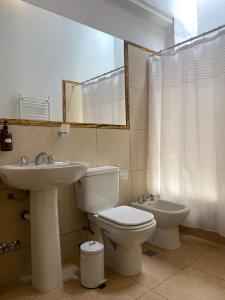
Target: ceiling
(135,20)
(150,7)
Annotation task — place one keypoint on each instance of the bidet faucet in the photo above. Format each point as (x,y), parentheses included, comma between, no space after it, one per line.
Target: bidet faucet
(142,199)
(152,197)
(39,160)
(50,159)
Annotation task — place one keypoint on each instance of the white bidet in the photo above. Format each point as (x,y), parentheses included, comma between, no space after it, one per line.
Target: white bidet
(168,216)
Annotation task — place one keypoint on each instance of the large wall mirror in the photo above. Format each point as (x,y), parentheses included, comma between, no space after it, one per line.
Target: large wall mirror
(57,70)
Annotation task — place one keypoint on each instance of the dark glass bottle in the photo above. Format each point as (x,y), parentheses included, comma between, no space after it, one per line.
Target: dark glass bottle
(5,139)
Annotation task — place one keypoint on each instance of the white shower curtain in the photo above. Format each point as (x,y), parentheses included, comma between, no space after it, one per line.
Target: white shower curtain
(104,99)
(187,130)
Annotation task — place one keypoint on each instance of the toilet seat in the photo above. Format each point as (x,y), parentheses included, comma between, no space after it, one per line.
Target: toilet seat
(128,228)
(126,218)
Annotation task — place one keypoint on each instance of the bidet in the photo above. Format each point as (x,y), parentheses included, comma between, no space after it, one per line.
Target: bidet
(168,215)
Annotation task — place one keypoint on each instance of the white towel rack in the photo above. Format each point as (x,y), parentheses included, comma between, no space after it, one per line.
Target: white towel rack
(34,108)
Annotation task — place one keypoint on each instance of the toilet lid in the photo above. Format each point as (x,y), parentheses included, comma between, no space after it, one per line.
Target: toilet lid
(126,215)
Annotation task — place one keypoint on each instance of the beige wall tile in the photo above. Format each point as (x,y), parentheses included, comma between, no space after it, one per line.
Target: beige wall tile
(70,244)
(70,218)
(113,147)
(80,145)
(139,148)
(12,227)
(139,183)
(14,265)
(125,190)
(28,141)
(138,68)
(139,106)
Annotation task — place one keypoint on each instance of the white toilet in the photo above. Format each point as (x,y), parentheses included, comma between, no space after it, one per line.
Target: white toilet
(123,228)
(169,216)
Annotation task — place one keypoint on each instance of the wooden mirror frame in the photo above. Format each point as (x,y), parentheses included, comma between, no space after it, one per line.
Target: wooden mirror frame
(58,123)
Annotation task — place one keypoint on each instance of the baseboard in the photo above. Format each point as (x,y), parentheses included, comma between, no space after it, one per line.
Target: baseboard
(203,234)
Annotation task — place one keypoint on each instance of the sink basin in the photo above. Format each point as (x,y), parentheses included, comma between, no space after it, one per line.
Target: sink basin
(42,177)
(43,181)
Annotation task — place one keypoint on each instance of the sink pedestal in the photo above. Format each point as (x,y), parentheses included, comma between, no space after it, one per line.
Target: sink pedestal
(45,240)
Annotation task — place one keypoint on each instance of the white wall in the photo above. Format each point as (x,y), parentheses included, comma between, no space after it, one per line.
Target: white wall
(118,54)
(111,16)
(39,49)
(185,14)
(211,14)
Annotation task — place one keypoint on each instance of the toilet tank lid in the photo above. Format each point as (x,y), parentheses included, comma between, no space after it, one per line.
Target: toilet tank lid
(102,170)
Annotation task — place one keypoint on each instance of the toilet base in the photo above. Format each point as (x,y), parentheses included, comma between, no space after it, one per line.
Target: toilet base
(166,238)
(125,261)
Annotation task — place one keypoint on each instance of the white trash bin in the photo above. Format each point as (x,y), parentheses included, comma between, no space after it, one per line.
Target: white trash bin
(92,264)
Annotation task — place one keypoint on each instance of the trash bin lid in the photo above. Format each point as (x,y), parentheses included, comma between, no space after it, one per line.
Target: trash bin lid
(91,247)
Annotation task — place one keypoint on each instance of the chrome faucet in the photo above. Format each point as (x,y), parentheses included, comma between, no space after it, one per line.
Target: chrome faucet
(39,160)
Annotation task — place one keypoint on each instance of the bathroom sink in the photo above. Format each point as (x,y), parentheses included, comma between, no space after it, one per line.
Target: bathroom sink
(43,181)
(42,177)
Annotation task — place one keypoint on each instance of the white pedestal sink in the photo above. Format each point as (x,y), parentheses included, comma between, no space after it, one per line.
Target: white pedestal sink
(42,181)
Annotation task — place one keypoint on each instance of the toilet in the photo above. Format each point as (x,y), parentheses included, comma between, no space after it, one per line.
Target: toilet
(123,228)
(169,216)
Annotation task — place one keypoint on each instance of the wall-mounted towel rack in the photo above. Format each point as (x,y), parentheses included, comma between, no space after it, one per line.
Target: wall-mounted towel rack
(34,108)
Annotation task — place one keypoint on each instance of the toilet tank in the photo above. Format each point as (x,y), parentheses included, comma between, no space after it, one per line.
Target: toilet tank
(98,189)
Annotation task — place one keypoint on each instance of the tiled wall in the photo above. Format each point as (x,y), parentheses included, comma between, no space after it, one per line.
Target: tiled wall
(96,146)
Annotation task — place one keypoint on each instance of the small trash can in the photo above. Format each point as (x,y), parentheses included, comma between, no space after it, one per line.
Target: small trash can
(92,264)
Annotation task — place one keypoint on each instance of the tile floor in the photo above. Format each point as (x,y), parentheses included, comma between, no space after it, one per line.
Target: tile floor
(196,271)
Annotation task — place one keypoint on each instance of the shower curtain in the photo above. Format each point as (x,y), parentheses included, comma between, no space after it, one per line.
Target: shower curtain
(187,130)
(104,99)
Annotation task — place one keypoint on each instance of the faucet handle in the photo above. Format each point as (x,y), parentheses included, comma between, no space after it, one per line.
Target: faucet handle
(141,199)
(50,159)
(24,161)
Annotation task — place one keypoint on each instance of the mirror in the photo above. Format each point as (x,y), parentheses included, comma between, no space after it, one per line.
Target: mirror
(98,100)
(40,50)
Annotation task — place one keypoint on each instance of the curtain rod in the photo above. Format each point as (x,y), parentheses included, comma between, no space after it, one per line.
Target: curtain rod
(191,39)
(104,74)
